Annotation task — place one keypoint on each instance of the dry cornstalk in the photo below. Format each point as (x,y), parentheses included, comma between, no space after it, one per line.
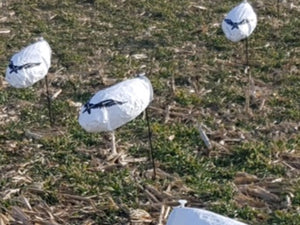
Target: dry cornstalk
(204,137)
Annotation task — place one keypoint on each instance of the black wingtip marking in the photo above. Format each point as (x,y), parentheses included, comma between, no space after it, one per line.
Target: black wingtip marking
(235,25)
(14,69)
(106,103)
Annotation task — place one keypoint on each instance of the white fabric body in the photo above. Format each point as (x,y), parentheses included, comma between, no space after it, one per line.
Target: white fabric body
(194,216)
(29,65)
(116,105)
(240,22)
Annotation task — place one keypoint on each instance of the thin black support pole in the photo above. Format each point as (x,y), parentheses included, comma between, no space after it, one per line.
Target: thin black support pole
(247,71)
(278,8)
(247,52)
(151,147)
(49,102)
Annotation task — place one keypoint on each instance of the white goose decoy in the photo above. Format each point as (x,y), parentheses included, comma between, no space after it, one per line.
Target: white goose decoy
(193,216)
(29,65)
(115,106)
(240,22)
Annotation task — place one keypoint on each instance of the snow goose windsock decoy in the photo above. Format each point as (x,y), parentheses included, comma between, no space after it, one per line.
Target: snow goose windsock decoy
(115,106)
(29,66)
(193,216)
(240,22)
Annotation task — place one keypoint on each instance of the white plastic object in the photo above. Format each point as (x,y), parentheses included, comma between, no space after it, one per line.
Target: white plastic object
(240,22)
(29,65)
(115,106)
(194,216)
(182,202)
